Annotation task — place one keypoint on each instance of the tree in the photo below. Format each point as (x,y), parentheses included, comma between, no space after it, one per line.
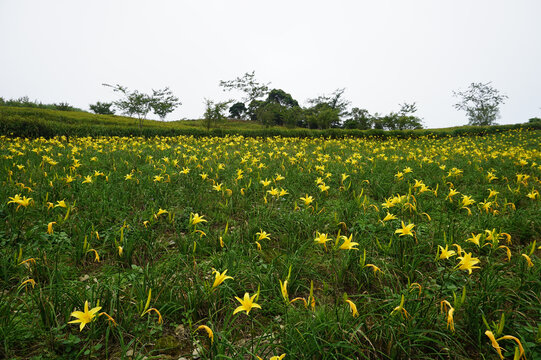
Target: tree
(214,112)
(247,84)
(481,103)
(401,120)
(133,102)
(322,116)
(359,119)
(102,108)
(280,97)
(163,102)
(237,110)
(335,101)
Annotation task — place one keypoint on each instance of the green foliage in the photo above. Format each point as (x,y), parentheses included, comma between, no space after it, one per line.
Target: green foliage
(481,103)
(163,102)
(214,112)
(359,119)
(31,122)
(322,116)
(167,255)
(247,84)
(26,102)
(238,110)
(102,108)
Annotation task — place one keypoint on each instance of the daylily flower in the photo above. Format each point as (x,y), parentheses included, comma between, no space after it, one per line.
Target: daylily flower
(406,230)
(528,260)
(246,304)
(307,199)
(445,253)
(283,289)
(475,239)
(400,308)
(445,306)
(261,235)
(208,330)
(220,278)
(196,219)
(84,317)
(353,308)
(50,227)
(348,244)
(467,262)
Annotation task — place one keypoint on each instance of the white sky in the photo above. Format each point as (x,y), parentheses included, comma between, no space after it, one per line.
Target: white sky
(383,52)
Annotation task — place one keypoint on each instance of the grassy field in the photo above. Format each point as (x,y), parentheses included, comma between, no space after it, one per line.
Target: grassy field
(337,248)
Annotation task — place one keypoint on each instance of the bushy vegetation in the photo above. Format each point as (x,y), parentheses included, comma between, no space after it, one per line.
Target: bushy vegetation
(27,103)
(349,248)
(30,122)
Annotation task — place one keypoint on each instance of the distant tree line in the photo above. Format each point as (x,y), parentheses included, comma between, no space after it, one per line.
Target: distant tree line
(277,107)
(26,102)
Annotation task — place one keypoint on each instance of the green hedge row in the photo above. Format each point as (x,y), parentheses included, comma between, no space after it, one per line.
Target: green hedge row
(34,123)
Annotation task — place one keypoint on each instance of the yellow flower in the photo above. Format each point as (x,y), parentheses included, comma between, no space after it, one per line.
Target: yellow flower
(84,317)
(528,260)
(15,199)
(208,330)
(400,308)
(274,357)
(533,194)
(475,239)
(307,199)
(220,278)
(158,178)
(353,308)
(374,267)
(246,304)
(446,307)
(61,204)
(265,182)
(348,244)
(278,177)
(217,187)
(204,176)
(323,187)
(28,281)
(492,193)
(160,212)
(389,217)
(273,192)
(445,253)
(467,262)
(321,238)
(283,192)
(88,179)
(466,201)
(24,201)
(50,227)
(406,230)
(283,289)
(128,177)
(96,255)
(262,235)
(196,219)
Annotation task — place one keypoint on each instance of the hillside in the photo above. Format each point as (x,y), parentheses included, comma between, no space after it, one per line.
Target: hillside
(32,122)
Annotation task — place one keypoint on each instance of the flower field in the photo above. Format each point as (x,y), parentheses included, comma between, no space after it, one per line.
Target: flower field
(271,248)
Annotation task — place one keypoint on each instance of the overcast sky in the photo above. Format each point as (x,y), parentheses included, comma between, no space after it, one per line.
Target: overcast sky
(383,52)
